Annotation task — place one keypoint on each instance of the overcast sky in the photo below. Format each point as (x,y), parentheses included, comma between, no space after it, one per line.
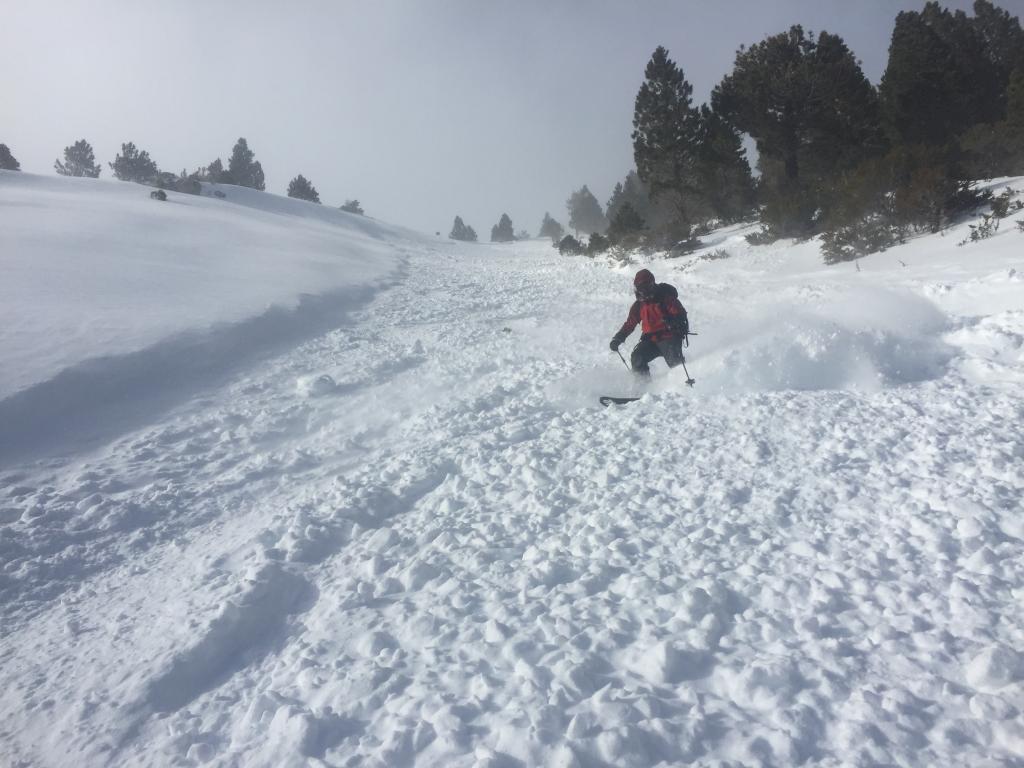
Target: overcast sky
(420,109)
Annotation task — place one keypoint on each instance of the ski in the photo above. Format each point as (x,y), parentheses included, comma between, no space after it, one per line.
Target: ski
(607,400)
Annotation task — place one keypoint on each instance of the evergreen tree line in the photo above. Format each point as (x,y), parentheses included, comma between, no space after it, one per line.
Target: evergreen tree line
(133,164)
(836,155)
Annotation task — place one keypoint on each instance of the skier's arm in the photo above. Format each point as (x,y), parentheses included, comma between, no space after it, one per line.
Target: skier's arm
(627,327)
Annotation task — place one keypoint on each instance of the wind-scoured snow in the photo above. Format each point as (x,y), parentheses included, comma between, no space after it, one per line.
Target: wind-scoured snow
(114,305)
(414,538)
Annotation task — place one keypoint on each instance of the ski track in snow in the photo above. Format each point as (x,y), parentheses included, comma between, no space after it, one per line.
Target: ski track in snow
(448,554)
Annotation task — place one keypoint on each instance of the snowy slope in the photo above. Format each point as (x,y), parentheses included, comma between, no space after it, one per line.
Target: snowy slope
(447,554)
(163,294)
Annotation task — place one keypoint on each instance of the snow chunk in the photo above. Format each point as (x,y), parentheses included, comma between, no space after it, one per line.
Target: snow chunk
(666,662)
(995,667)
(315,386)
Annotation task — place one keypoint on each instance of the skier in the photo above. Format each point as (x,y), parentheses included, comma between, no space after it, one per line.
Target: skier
(663,323)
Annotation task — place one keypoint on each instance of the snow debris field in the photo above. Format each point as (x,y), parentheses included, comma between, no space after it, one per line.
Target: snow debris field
(281,486)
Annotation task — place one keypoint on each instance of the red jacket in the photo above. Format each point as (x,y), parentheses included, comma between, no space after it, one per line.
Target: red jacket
(660,318)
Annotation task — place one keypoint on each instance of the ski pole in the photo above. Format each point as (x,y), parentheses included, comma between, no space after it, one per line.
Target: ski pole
(689,382)
(624,361)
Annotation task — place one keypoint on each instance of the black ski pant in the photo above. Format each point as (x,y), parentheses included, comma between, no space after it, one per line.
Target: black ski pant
(671,349)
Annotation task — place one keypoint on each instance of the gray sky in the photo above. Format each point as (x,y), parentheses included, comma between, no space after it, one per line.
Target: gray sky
(422,110)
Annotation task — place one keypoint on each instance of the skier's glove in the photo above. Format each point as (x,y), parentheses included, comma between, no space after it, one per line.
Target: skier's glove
(616,343)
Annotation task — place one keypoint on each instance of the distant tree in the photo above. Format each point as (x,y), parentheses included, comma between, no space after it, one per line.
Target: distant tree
(625,226)
(7,161)
(813,114)
(301,188)
(551,228)
(502,232)
(522,234)
(133,165)
(353,206)
(243,169)
(665,136)
(215,173)
(631,190)
(462,232)
(79,160)
(585,214)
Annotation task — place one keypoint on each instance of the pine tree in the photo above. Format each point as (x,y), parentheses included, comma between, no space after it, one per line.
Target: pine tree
(302,189)
(1015,101)
(625,226)
(503,232)
(243,170)
(353,206)
(1003,39)
(79,160)
(813,114)
(461,231)
(551,228)
(664,134)
(585,214)
(215,173)
(631,190)
(133,165)
(725,178)
(7,161)
(938,81)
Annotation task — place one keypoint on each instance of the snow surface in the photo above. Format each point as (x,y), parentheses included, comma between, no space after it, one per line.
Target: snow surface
(407,535)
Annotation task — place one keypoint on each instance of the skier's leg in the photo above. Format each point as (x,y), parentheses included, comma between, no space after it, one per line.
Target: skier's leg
(672,351)
(642,355)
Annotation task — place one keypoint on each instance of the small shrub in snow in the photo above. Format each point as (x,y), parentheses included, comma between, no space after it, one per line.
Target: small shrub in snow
(988,227)
(716,255)
(765,237)
(353,206)
(158,194)
(872,235)
(1001,208)
(1003,205)
(570,246)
